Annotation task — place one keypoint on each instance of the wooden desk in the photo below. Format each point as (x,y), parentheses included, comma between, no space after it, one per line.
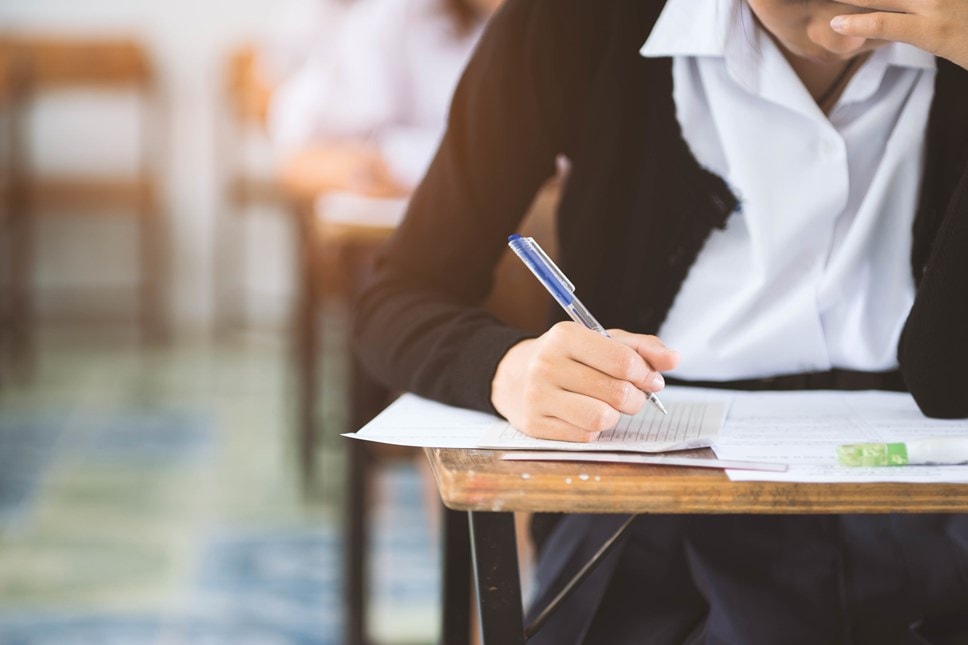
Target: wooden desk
(489,490)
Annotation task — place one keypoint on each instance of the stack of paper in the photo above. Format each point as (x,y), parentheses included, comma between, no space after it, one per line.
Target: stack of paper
(413,421)
(799,429)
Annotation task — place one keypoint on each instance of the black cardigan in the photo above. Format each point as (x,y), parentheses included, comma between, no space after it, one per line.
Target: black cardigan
(554,77)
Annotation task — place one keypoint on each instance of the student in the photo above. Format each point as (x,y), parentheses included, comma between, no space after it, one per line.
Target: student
(784,204)
(378,94)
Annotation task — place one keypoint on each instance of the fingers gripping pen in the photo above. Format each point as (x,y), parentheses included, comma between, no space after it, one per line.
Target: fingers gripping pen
(561,289)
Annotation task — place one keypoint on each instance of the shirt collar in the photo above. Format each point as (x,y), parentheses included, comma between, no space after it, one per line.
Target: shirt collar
(904,55)
(709,29)
(869,77)
(690,28)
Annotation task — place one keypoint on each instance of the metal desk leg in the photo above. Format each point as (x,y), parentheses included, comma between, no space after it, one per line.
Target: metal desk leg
(357,538)
(455,626)
(498,582)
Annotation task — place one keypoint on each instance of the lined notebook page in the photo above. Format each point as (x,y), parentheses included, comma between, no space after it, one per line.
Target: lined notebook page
(689,424)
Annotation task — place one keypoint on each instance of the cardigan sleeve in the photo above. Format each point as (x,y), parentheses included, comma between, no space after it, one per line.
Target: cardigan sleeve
(419,326)
(933,352)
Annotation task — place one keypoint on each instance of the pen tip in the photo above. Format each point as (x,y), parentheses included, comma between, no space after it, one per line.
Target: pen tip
(658,403)
(511,238)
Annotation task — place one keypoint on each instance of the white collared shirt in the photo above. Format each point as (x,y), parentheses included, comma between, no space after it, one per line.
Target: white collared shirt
(813,271)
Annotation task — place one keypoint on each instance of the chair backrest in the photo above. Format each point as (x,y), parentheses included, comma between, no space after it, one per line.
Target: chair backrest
(43,63)
(8,97)
(246,101)
(49,62)
(248,91)
(6,73)
(517,298)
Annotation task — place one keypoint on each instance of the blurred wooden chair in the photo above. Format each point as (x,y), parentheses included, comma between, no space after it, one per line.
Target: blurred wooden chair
(245,99)
(6,99)
(50,64)
(7,94)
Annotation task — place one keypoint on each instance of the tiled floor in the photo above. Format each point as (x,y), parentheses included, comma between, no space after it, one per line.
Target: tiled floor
(151,496)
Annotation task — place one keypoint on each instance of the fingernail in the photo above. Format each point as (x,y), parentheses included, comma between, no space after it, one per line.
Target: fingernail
(658,382)
(838,23)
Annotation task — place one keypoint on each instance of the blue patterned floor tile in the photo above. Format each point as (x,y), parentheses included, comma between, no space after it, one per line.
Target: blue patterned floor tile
(145,436)
(108,629)
(128,518)
(293,562)
(77,630)
(27,446)
(287,578)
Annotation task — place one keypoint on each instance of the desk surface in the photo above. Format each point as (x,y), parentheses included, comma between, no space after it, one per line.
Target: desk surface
(478,480)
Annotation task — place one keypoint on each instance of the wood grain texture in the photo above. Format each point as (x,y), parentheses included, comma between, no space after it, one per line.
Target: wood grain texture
(249,92)
(92,195)
(63,61)
(6,73)
(478,480)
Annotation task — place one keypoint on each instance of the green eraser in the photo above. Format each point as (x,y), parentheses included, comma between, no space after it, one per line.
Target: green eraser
(872,454)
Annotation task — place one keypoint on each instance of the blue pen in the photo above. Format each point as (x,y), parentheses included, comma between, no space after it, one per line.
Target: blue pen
(560,288)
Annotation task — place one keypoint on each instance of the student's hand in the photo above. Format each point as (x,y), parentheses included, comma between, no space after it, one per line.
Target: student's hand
(936,26)
(572,383)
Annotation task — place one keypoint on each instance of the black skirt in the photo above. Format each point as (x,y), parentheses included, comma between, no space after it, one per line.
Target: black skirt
(751,579)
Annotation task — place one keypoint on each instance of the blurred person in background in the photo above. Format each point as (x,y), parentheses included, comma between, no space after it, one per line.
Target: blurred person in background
(361,118)
(367,115)
(303,32)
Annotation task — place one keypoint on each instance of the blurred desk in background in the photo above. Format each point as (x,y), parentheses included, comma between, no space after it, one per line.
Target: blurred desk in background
(330,257)
(343,214)
(346,207)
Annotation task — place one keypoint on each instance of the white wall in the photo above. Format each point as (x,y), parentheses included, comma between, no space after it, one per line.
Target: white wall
(188,40)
